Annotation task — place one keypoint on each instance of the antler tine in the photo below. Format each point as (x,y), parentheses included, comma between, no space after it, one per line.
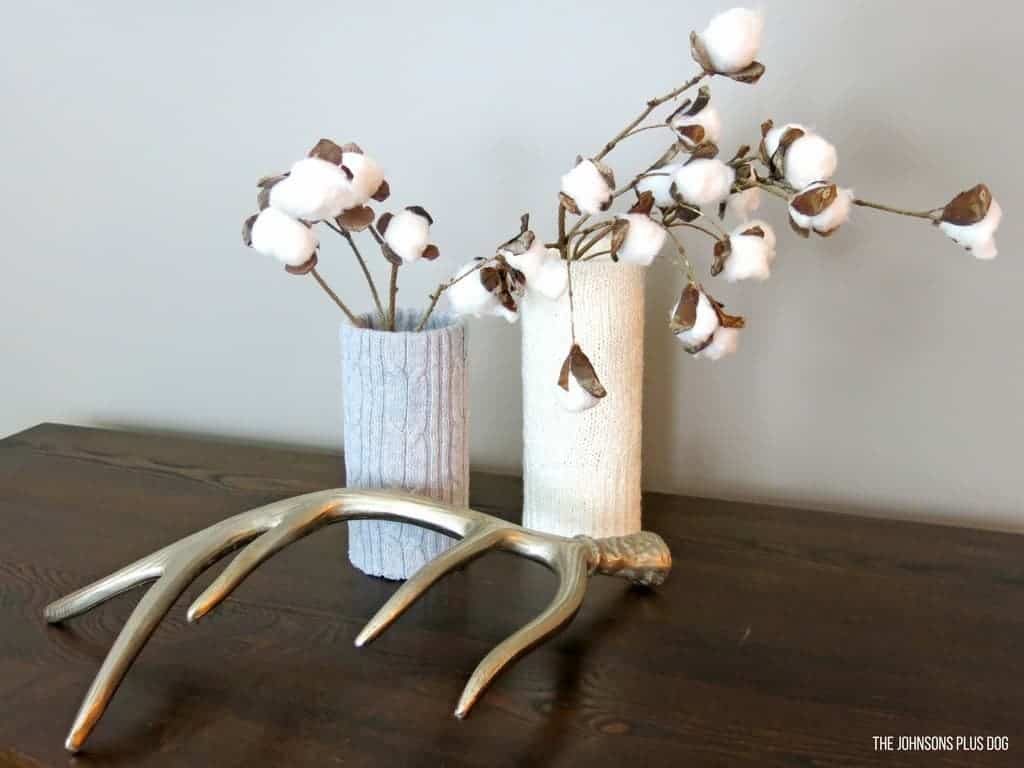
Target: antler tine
(294,525)
(471,547)
(149,568)
(571,561)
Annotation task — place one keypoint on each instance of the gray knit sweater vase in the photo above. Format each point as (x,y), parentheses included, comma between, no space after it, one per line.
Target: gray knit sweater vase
(405,427)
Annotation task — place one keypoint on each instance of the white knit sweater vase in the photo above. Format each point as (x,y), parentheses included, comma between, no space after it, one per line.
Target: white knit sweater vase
(581,471)
(405,427)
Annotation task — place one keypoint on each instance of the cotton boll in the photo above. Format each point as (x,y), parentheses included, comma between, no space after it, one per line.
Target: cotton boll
(407,233)
(576,398)
(708,119)
(752,251)
(275,233)
(366,176)
(742,204)
(774,136)
(724,342)
(808,159)
(551,278)
(468,296)
(704,181)
(529,261)
(588,187)
(705,324)
(644,240)
(314,190)
(826,220)
(732,39)
(659,182)
(978,238)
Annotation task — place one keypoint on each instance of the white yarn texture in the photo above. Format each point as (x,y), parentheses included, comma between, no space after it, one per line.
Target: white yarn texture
(581,471)
(405,427)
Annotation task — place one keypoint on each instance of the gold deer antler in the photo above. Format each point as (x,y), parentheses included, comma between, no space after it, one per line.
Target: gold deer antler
(641,557)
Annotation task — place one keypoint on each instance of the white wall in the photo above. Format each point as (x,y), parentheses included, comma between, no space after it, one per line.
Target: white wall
(881,371)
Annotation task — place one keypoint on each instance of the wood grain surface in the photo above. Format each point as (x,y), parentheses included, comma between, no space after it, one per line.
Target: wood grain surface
(782,638)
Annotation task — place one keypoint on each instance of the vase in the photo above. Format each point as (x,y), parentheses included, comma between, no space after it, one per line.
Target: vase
(581,471)
(405,410)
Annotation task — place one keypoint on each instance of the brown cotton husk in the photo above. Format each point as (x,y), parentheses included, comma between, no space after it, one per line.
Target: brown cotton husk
(352,147)
(644,203)
(606,173)
(691,135)
(969,207)
(302,269)
(620,230)
(569,204)
(578,365)
(419,210)
(749,74)
(724,318)
(740,153)
(383,221)
(247,229)
(266,184)
(355,219)
(723,248)
(383,192)
(778,160)
(519,244)
(705,151)
(755,231)
(815,200)
(431,252)
(686,310)
(327,150)
(700,54)
(762,149)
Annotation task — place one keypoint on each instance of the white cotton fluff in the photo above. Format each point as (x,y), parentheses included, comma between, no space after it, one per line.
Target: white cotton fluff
(705,323)
(587,187)
(550,279)
(732,39)
(366,176)
(708,119)
(751,256)
(313,190)
(529,261)
(408,233)
(467,295)
(659,182)
(742,204)
(834,216)
(704,181)
(724,342)
(275,233)
(978,238)
(808,159)
(577,399)
(644,239)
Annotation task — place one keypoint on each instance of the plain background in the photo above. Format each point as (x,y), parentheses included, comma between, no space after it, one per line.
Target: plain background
(881,371)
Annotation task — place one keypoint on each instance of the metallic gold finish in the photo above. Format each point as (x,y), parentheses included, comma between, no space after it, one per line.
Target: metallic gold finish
(642,558)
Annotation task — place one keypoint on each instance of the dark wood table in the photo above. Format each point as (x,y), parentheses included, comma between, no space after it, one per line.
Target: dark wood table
(783,637)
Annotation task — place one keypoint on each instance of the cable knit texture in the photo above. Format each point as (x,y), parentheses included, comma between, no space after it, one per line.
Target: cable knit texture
(405,427)
(581,471)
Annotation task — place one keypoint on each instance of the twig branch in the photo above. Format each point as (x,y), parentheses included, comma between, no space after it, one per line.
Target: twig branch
(436,295)
(930,215)
(362,263)
(572,306)
(392,293)
(348,312)
(650,107)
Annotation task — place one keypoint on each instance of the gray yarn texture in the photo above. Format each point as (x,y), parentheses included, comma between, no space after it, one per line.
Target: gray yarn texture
(405,407)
